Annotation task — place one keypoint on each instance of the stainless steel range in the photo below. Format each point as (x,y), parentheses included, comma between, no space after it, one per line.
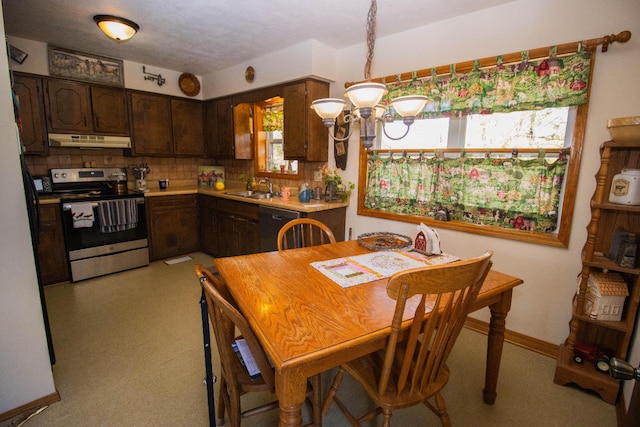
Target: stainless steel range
(104,222)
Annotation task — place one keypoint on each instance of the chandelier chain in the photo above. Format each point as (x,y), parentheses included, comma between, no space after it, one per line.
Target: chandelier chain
(371,38)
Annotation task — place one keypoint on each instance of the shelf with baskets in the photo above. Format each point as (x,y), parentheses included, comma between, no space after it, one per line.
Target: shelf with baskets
(601,339)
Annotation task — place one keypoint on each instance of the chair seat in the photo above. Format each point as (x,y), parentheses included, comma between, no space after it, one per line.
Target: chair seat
(366,370)
(247,382)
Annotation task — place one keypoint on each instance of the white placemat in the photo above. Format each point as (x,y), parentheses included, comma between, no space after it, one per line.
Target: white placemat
(351,271)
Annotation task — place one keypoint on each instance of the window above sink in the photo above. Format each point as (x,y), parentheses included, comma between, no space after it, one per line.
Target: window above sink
(264,124)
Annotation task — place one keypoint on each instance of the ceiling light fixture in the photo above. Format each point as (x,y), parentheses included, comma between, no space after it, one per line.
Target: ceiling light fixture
(116,28)
(366,97)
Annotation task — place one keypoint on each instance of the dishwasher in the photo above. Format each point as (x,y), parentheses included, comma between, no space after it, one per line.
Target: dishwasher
(271,220)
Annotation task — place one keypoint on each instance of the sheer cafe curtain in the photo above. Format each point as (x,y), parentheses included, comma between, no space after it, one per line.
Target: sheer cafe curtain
(515,193)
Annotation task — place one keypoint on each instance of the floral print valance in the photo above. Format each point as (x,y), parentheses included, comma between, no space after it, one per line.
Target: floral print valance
(514,193)
(528,85)
(273,119)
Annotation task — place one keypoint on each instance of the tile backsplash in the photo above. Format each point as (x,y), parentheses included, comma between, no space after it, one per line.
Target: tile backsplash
(179,170)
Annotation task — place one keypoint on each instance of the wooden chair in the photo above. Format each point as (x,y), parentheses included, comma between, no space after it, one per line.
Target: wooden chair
(300,233)
(234,378)
(303,232)
(412,367)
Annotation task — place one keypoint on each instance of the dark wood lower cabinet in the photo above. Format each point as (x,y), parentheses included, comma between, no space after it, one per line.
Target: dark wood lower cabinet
(52,253)
(335,219)
(173,225)
(217,226)
(238,228)
(208,233)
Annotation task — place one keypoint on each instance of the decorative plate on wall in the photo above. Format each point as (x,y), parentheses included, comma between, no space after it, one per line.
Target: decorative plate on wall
(189,84)
(249,74)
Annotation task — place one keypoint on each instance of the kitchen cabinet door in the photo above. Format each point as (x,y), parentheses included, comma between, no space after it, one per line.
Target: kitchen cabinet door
(33,130)
(150,124)
(238,230)
(188,131)
(305,135)
(224,116)
(243,131)
(248,236)
(210,128)
(208,235)
(173,225)
(52,253)
(110,113)
(69,108)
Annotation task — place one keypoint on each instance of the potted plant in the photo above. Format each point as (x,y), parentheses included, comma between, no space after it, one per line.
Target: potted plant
(334,185)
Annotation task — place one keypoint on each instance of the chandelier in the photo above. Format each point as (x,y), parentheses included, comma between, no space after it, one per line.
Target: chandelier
(365,98)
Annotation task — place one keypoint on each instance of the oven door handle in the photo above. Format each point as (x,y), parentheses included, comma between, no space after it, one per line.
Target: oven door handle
(67,206)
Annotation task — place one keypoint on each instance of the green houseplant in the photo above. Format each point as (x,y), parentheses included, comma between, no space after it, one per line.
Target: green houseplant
(332,179)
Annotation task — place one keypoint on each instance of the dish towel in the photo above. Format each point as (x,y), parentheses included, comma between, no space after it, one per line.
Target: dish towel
(82,214)
(117,215)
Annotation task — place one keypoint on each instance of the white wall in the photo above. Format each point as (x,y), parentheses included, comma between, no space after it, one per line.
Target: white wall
(542,305)
(37,63)
(308,58)
(25,370)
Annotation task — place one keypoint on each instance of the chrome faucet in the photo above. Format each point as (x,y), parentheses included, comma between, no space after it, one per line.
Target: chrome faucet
(269,184)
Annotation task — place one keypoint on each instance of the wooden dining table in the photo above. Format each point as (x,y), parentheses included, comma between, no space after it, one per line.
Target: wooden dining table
(308,324)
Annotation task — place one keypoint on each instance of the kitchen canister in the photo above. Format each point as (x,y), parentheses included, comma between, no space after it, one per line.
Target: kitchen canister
(625,187)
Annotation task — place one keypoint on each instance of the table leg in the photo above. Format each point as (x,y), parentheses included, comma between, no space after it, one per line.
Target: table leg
(291,388)
(495,343)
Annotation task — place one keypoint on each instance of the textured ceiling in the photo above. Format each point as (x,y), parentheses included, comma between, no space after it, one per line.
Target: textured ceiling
(201,36)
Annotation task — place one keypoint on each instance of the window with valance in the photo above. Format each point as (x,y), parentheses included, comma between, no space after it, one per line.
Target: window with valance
(505,191)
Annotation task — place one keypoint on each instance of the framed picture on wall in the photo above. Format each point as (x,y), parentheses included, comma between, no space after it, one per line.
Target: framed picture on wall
(88,67)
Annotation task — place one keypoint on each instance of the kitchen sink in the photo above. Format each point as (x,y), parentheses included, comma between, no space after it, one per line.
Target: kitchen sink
(252,194)
(246,193)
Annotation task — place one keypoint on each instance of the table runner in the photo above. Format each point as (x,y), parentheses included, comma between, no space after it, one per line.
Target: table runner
(355,270)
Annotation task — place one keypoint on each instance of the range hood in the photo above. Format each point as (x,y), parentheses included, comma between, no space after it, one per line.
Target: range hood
(88,141)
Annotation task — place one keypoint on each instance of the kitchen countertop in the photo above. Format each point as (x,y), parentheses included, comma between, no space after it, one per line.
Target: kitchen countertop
(293,204)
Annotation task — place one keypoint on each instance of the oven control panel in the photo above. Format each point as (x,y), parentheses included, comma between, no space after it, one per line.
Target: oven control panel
(60,176)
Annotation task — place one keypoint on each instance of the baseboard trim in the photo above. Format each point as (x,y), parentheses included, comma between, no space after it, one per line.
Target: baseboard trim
(30,406)
(516,338)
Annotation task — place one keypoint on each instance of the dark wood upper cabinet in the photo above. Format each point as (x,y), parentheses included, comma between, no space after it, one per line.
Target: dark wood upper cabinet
(188,132)
(32,123)
(210,128)
(305,135)
(76,107)
(109,106)
(224,116)
(150,124)
(243,131)
(69,107)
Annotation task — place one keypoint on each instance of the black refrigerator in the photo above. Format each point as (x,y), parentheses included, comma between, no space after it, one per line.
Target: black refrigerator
(33,210)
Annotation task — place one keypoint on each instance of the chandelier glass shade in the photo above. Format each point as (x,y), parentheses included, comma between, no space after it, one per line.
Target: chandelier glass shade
(116,28)
(366,95)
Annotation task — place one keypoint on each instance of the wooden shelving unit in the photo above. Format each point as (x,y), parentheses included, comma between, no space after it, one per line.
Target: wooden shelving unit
(612,336)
